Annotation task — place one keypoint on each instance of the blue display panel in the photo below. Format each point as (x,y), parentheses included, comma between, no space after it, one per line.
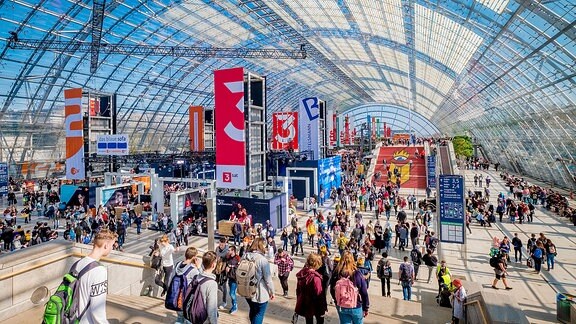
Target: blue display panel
(3,179)
(451,208)
(431,172)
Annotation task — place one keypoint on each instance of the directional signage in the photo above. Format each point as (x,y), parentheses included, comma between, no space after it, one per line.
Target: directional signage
(451,208)
(431,174)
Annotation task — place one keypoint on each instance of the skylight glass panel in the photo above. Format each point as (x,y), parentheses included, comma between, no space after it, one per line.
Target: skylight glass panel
(280,11)
(497,6)
(443,39)
(380,18)
(370,84)
(433,77)
(429,93)
(319,13)
(344,49)
(389,57)
(207,24)
(397,79)
(363,71)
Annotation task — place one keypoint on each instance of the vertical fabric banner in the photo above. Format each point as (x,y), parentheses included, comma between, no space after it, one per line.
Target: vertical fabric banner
(196,128)
(338,130)
(74,129)
(3,179)
(347,130)
(373,128)
(330,121)
(285,130)
(229,128)
(378,128)
(309,126)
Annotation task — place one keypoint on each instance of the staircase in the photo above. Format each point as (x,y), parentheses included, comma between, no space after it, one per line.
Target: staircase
(400,156)
(144,310)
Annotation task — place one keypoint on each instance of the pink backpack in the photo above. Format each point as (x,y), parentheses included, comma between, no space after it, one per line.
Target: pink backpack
(346,293)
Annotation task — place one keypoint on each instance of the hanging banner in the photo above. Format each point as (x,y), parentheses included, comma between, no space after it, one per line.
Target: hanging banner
(112,144)
(196,115)
(338,130)
(347,134)
(431,174)
(229,128)
(3,179)
(309,127)
(373,127)
(451,202)
(285,130)
(330,123)
(74,129)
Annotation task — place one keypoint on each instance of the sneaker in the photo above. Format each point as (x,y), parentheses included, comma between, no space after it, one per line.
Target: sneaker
(508,288)
(495,287)
(233,311)
(221,307)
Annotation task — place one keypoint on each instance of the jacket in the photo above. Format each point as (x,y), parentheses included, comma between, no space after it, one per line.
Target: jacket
(310,298)
(265,286)
(359,282)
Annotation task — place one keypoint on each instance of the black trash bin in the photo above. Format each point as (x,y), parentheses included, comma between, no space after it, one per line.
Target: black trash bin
(563,303)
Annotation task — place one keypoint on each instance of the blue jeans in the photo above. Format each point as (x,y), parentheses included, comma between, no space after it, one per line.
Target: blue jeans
(180,319)
(350,315)
(406,290)
(237,240)
(550,260)
(233,285)
(257,311)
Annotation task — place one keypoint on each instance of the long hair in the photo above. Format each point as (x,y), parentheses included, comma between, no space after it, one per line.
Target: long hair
(346,267)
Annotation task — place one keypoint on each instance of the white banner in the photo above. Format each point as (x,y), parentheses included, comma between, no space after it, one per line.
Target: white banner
(330,119)
(114,144)
(309,127)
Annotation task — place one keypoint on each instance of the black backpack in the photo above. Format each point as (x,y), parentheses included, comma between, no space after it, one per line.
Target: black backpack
(414,257)
(494,261)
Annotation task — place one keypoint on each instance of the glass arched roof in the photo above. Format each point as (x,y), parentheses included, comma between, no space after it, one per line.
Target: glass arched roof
(504,70)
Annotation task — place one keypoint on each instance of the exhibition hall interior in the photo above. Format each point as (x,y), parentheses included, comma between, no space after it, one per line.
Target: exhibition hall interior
(424,148)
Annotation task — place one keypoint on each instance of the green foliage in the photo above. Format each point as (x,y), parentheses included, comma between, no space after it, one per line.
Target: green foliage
(463,146)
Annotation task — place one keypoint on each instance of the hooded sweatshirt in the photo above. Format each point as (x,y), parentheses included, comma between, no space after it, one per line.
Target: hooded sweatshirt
(310,297)
(181,268)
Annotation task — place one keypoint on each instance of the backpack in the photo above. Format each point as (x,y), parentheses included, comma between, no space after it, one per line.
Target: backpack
(246,278)
(414,257)
(434,242)
(236,229)
(176,290)
(494,261)
(194,309)
(538,253)
(405,273)
(346,293)
(63,305)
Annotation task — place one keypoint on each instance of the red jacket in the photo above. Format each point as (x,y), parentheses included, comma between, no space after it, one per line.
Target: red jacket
(310,295)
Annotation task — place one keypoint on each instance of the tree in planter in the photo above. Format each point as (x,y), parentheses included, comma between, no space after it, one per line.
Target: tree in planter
(463,146)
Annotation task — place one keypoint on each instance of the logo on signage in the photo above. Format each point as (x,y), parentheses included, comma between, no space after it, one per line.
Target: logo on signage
(227,176)
(312,108)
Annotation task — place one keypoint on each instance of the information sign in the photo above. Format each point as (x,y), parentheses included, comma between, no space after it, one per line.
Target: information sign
(451,208)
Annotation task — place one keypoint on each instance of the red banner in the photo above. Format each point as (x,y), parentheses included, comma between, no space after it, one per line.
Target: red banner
(285,130)
(196,128)
(74,128)
(229,128)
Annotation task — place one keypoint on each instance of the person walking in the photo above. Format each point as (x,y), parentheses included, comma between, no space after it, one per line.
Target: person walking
(416,258)
(346,277)
(538,256)
(265,287)
(384,273)
(443,276)
(517,244)
(406,277)
(191,268)
(166,252)
(310,292)
(232,261)
(550,254)
(500,272)
(285,265)
(208,287)
(93,279)
(459,298)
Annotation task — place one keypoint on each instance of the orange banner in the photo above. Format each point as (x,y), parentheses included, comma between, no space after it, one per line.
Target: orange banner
(196,128)
(74,127)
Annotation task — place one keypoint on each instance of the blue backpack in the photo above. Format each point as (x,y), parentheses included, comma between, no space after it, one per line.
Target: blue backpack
(538,253)
(177,290)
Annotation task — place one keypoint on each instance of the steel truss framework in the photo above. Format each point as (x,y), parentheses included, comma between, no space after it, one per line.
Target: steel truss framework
(504,71)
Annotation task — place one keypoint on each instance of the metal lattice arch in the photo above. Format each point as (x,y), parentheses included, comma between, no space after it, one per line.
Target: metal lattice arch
(399,119)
